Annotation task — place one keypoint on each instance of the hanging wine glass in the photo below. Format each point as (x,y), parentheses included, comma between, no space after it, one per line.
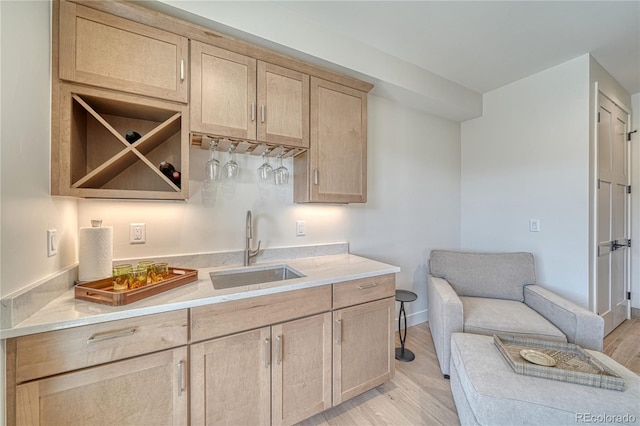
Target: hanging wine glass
(212,167)
(231,169)
(265,171)
(281,174)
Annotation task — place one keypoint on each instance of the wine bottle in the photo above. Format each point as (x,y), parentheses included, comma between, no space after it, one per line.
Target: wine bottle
(167,169)
(175,178)
(132,136)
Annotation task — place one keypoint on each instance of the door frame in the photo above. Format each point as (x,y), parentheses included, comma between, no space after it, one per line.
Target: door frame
(598,93)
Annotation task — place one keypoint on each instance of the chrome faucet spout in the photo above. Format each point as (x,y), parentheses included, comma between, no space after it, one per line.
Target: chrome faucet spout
(248,253)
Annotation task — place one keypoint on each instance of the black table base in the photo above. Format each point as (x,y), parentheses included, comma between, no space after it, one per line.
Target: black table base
(403,354)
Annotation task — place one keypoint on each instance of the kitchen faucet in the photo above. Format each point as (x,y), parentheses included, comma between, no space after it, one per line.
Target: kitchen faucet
(248,253)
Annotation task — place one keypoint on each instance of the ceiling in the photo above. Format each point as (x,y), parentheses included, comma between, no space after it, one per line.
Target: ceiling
(483,45)
(436,56)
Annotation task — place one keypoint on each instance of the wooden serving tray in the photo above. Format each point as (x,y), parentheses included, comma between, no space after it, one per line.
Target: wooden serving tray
(101,291)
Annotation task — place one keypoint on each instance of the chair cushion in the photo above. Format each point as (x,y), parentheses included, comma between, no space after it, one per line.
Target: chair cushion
(494,275)
(498,316)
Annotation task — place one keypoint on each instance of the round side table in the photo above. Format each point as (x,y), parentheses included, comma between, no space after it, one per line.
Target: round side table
(402,296)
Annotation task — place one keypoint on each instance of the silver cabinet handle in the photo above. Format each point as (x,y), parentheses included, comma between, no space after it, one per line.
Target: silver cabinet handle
(262,113)
(253,111)
(315,176)
(339,332)
(267,353)
(278,349)
(111,335)
(181,385)
(364,287)
(181,69)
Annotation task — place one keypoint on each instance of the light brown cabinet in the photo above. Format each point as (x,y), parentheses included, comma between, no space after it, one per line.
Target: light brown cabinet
(92,158)
(103,50)
(131,371)
(272,359)
(282,373)
(147,390)
(112,75)
(335,167)
(231,379)
(363,348)
(236,96)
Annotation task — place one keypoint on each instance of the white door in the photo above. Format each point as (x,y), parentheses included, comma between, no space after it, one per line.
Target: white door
(612,201)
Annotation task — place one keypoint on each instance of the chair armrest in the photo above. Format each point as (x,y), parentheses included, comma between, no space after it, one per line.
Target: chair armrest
(445,317)
(582,327)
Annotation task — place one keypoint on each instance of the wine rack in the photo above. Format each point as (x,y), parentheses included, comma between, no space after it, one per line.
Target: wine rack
(97,161)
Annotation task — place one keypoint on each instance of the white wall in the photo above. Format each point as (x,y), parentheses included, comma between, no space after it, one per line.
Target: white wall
(413,203)
(635,202)
(526,158)
(27,208)
(414,194)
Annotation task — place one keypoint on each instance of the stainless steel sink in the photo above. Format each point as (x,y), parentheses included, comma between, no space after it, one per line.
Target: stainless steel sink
(253,275)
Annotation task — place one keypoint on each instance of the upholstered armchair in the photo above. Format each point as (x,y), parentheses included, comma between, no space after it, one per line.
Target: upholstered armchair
(496,293)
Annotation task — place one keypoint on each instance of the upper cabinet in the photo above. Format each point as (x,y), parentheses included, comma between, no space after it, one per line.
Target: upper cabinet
(94,158)
(103,50)
(237,96)
(334,169)
(283,99)
(117,77)
(118,68)
(223,92)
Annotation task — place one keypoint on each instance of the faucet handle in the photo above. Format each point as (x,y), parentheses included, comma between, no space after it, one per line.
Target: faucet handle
(254,253)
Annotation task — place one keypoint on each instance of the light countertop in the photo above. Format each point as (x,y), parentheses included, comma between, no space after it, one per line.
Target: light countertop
(66,312)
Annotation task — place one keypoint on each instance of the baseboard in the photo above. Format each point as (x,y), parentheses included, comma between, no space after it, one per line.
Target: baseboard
(635,313)
(414,318)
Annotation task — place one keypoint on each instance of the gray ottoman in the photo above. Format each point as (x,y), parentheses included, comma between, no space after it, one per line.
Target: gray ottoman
(486,391)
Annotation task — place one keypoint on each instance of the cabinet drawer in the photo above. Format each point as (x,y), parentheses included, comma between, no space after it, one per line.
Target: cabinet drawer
(363,290)
(221,319)
(45,354)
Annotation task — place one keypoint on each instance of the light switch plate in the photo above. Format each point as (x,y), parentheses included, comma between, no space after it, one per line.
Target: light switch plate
(300,228)
(52,242)
(534,225)
(137,233)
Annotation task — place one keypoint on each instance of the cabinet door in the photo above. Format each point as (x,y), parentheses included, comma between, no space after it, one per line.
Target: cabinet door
(337,157)
(283,106)
(103,50)
(148,390)
(363,348)
(230,379)
(301,372)
(223,92)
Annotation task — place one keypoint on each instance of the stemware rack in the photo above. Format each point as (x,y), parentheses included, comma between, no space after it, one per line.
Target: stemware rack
(241,146)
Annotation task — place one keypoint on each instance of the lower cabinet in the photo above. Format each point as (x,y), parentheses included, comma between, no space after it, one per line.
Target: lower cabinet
(279,374)
(146,390)
(270,360)
(363,348)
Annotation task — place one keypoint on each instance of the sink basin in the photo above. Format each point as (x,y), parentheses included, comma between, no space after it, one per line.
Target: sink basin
(253,275)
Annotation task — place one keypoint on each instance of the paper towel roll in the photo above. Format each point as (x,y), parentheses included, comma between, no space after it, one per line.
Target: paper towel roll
(96,253)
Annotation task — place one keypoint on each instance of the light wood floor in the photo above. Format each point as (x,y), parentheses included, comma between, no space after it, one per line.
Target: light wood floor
(419,395)
(623,344)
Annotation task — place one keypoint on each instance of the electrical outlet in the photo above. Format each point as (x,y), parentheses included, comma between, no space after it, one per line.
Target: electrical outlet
(52,242)
(300,228)
(137,233)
